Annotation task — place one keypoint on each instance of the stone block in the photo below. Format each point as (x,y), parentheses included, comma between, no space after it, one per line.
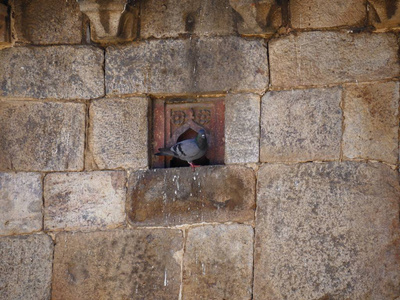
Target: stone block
(371,121)
(327,231)
(242,128)
(196,65)
(326,14)
(218,262)
(323,57)
(118,264)
(166,197)
(47,21)
(5,28)
(383,14)
(301,125)
(84,201)
(41,136)
(26,266)
(118,133)
(60,72)
(20,202)
(173,18)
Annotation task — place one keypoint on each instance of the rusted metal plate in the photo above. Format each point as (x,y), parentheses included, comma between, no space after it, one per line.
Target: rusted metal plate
(175,120)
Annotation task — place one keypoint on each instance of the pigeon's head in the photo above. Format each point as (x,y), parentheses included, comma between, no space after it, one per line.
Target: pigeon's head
(202,133)
(201,139)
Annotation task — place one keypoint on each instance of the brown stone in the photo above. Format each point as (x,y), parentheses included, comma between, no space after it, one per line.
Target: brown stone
(384,14)
(119,264)
(327,231)
(196,65)
(218,262)
(172,18)
(118,133)
(47,21)
(60,72)
(25,267)
(371,121)
(5,28)
(41,136)
(84,201)
(164,197)
(325,14)
(301,125)
(20,202)
(258,17)
(323,57)
(242,128)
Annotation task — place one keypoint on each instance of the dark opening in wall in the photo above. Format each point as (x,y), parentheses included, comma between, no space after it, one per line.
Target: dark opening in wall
(177,119)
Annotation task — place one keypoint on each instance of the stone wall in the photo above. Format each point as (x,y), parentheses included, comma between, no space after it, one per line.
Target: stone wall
(306,205)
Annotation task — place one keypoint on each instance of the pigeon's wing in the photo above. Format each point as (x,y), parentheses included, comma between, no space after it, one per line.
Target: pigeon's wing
(187,150)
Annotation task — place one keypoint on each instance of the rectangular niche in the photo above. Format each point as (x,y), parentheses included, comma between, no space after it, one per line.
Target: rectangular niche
(179,119)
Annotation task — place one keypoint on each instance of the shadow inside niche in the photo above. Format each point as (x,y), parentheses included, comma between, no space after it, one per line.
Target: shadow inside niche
(176,162)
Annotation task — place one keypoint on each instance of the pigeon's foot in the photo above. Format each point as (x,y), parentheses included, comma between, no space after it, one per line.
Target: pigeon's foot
(193,166)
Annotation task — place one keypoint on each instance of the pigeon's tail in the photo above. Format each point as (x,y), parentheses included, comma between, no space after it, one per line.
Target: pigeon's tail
(164,151)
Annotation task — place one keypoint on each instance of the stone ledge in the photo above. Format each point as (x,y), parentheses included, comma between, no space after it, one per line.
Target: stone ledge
(165,197)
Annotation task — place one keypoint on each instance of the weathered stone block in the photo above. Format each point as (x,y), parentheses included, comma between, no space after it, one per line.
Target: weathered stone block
(242,128)
(218,262)
(371,121)
(41,136)
(325,14)
(119,264)
(180,196)
(321,57)
(301,125)
(118,133)
(259,17)
(25,264)
(61,72)
(47,21)
(384,14)
(173,18)
(84,201)
(187,66)
(327,230)
(20,202)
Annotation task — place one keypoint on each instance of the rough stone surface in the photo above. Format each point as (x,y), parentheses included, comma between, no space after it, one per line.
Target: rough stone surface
(327,231)
(118,133)
(180,196)
(61,72)
(47,21)
(173,18)
(119,264)
(384,14)
(301,125)
(84,201)
(324,14)
(322,57)
(20,202)
(5,32)
(242,128)
(187,66)
(218,262)
(25,267)
(41,136)
(371,121)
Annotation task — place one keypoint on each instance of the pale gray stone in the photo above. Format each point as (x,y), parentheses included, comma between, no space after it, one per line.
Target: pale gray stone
(20,202)
(118,133)
(118,264)
(25,267)
(327,231)
(326,57)
(301,125)
(196,65)
(242,128)
(84,201)
(371,121)
(218,262)
(41,136)
(61,72)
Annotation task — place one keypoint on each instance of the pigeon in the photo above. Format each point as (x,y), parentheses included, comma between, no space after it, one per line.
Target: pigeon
(188,150)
